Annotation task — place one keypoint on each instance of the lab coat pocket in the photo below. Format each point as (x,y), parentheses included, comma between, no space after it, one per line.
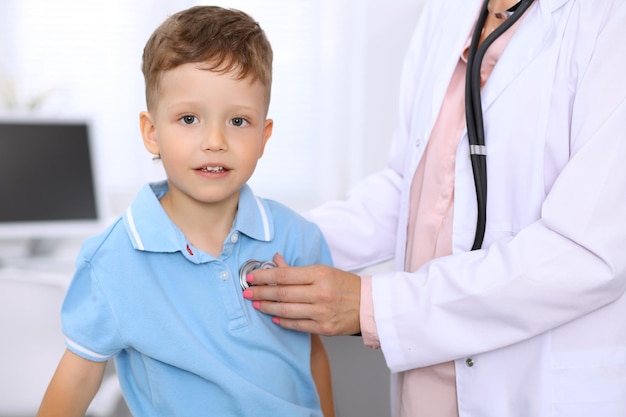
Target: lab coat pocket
(589,383)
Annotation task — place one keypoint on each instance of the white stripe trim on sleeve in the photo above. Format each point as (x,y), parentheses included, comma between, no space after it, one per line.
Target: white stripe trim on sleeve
(78,348)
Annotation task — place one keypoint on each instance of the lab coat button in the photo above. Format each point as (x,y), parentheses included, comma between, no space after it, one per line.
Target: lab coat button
(469,362)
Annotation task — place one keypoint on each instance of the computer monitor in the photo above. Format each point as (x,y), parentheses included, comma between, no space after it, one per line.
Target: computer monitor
(47,179)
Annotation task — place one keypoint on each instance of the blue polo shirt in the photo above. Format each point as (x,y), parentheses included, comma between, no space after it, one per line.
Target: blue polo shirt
(185,341)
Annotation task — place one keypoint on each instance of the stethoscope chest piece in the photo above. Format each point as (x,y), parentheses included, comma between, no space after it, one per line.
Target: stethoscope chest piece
(250,266)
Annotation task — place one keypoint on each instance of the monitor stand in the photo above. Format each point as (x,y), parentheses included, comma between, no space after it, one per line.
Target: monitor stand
(42,247)
(49,254)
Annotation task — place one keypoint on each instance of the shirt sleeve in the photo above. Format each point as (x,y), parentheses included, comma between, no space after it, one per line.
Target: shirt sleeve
(368,323)
(88,322)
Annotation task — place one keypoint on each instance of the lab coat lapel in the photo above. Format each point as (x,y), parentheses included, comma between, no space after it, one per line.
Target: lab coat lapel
(446,56)
(536,25)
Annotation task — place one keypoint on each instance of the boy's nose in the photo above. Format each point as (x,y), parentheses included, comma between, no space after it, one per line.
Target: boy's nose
(214,139)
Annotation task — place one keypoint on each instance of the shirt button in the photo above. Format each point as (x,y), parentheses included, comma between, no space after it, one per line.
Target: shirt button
(224,275)
(469,362)
(234,238)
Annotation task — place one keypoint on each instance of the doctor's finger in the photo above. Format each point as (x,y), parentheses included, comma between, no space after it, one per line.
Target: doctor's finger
(302,325)
(310,318)
(293,311)
(283,275)
(281,293)
(280,260)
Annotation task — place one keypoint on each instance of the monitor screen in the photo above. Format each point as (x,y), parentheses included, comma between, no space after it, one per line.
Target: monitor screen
(47,182)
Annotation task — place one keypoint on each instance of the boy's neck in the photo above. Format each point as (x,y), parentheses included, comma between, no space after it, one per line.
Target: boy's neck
(205,225)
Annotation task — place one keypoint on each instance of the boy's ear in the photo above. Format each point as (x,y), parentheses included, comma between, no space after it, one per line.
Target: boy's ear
(267,132)
(148,133)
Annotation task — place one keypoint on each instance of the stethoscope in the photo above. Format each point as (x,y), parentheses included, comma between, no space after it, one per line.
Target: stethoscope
(473,108)
(250,266)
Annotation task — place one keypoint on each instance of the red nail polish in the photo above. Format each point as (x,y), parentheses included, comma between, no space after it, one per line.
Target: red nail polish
(275,320)
(247,294)
(250,278)
(256,305)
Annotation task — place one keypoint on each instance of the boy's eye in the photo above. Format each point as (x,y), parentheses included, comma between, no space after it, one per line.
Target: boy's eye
(238,121)
(189,119)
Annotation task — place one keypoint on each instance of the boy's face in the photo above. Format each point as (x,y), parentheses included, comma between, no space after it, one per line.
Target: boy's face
(209,129)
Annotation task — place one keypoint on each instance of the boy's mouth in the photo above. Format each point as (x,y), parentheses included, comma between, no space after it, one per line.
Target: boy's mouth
(213,169)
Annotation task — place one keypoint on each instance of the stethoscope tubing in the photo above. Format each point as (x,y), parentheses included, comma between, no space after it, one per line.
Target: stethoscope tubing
(473,110)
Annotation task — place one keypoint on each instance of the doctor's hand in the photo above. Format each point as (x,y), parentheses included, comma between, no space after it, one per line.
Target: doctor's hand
(313,299)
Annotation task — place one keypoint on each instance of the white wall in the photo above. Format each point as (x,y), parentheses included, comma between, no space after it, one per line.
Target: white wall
(336,73)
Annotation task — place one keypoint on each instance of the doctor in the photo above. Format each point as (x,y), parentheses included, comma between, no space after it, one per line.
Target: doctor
(534,323)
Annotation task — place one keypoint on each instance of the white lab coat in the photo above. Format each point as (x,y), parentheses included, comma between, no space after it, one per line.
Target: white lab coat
(541,311)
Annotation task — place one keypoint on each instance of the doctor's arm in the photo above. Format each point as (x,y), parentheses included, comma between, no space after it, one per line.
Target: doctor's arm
(72,388)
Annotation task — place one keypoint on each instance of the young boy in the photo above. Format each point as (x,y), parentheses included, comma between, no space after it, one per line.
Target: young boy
(160,290)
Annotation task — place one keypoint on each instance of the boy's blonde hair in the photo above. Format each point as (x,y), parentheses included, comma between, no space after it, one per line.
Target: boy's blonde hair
(223,40)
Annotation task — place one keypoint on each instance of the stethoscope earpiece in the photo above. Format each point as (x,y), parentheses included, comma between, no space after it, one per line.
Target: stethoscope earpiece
(250,266)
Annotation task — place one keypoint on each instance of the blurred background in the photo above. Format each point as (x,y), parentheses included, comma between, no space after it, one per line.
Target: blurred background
(334,101)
